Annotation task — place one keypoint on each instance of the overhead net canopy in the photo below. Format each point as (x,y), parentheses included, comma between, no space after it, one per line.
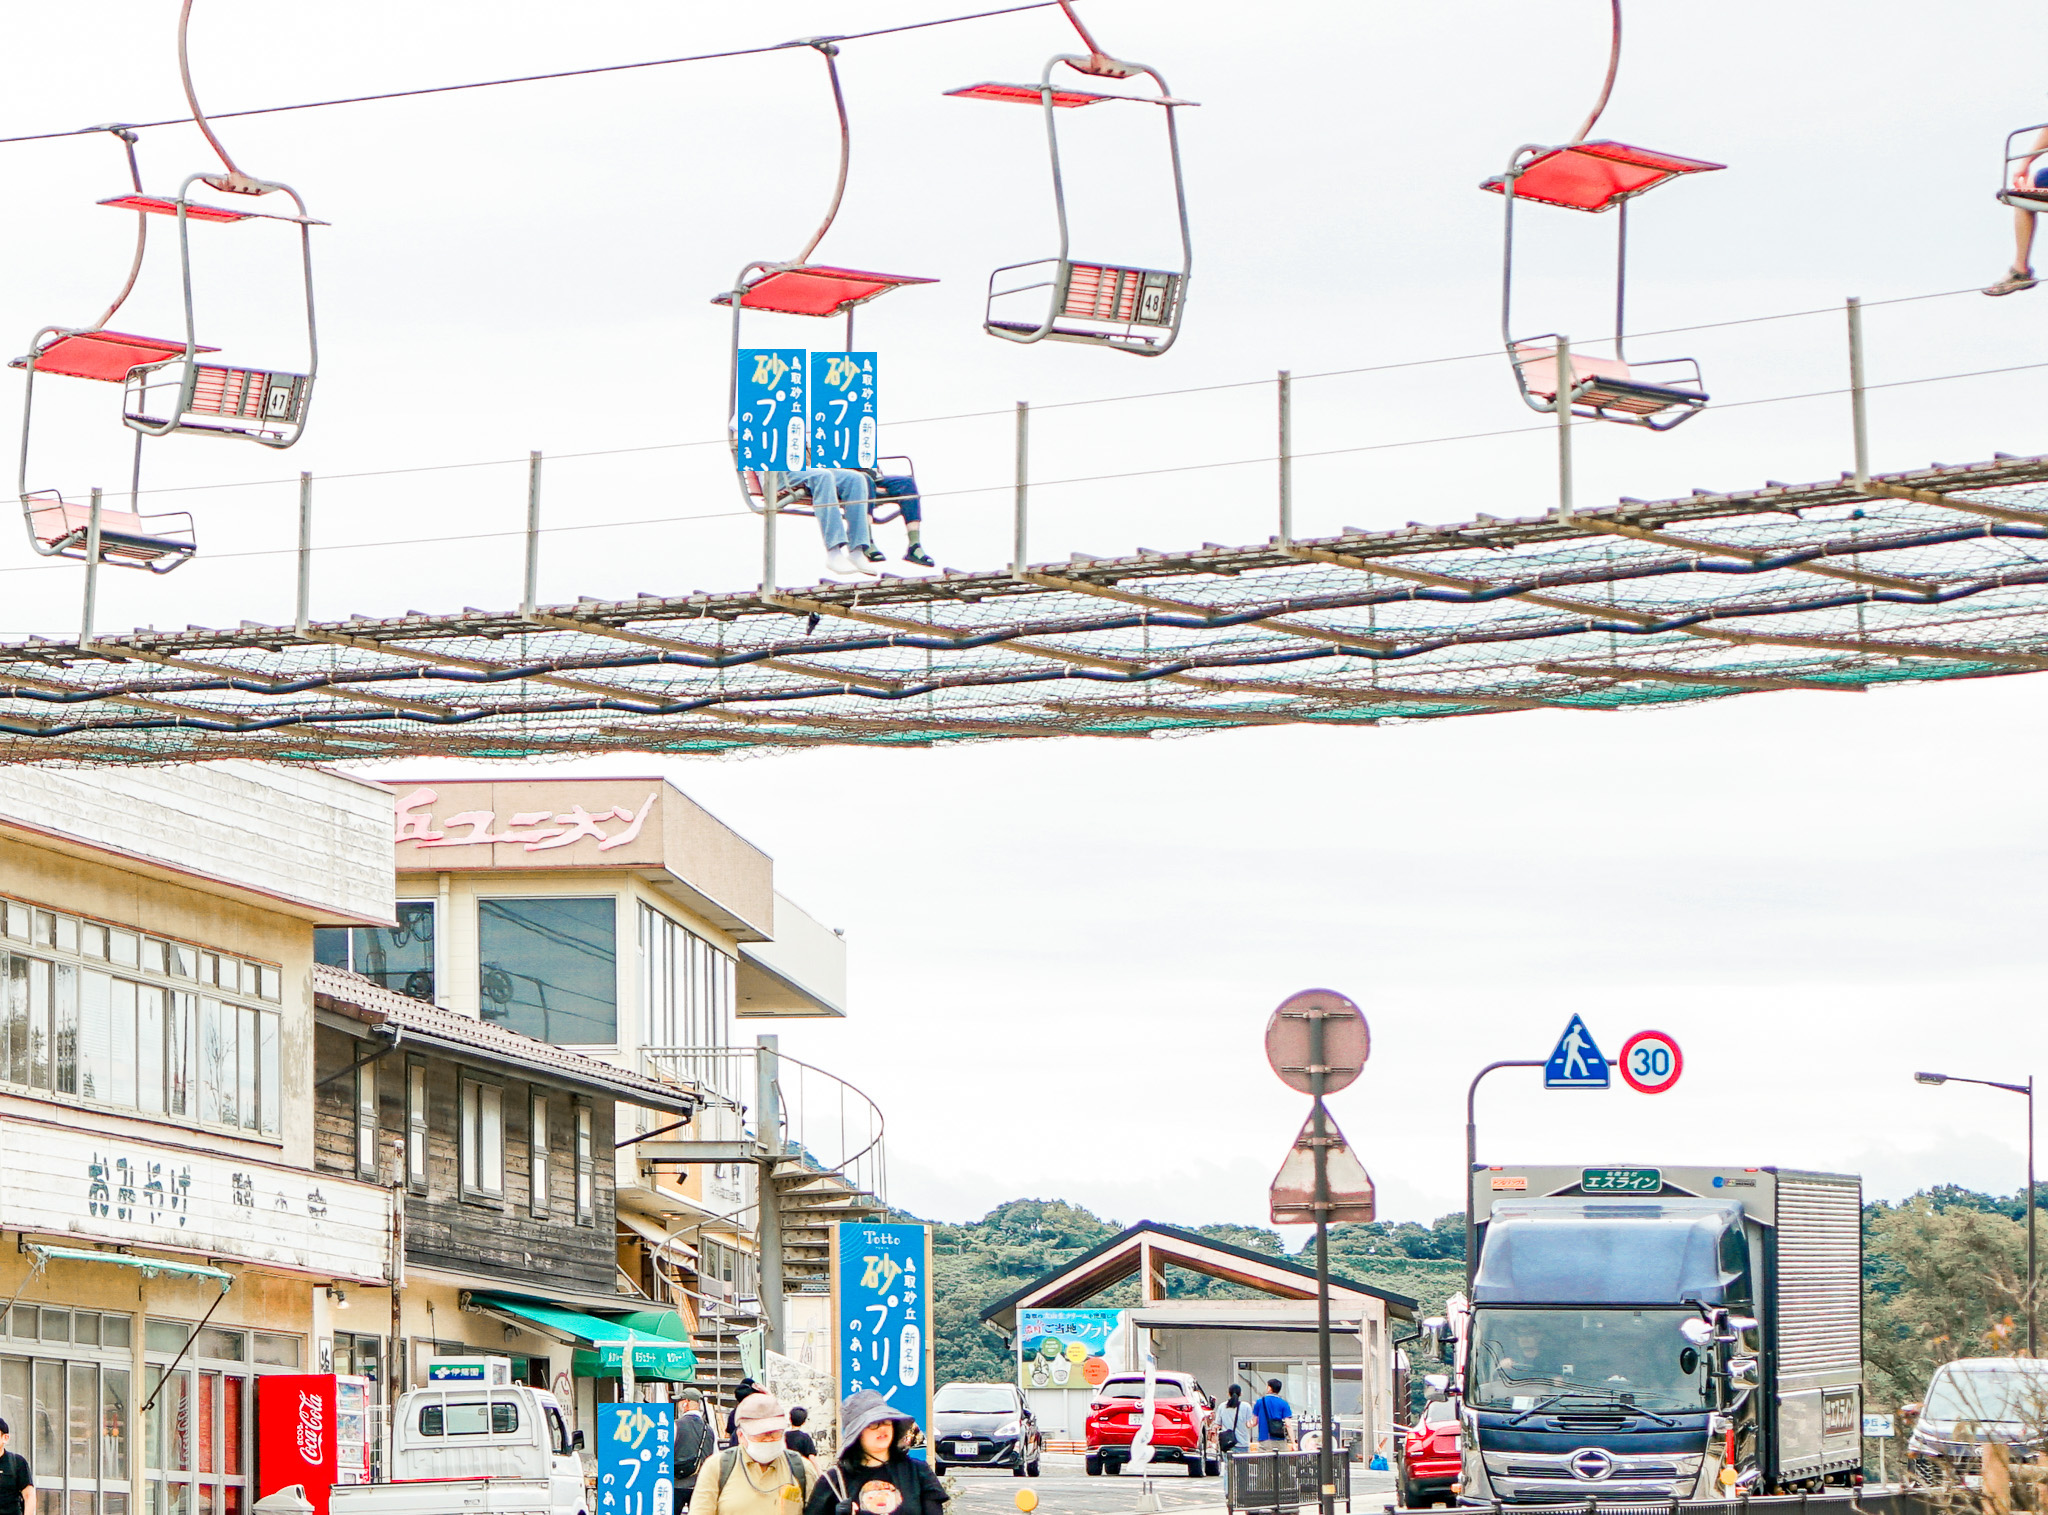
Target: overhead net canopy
(1936,574)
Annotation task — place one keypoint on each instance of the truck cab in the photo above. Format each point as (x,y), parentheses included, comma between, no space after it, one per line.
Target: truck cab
(505,1449)
(1636,1334)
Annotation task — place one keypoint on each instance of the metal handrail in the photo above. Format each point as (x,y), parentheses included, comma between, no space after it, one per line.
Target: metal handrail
(834,1128)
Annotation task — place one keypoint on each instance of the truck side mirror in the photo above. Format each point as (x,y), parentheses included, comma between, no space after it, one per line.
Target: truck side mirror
(576,1440)
(1911,1411)
(1742,1372)
(1696,1331)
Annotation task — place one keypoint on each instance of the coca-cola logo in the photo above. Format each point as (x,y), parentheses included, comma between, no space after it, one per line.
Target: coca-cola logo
(312,1427)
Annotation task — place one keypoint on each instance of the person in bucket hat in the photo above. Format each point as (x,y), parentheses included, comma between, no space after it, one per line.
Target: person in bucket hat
(874,1448)
(759,1476)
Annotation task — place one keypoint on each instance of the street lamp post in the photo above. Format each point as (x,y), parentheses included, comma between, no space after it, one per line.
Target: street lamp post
(2033,1270)
(1472,1152)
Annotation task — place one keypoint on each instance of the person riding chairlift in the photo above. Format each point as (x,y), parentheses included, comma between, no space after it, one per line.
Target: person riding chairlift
(2030,173)
(843,501)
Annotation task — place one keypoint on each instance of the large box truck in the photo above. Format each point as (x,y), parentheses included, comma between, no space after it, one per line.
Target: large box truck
(1637,1333)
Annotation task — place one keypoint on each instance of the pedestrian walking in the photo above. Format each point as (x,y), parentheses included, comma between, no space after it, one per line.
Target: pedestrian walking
(695,1444)
(874,1464)
(796,1438)
(17,1483)
(1270,1414)
(746,1387)
(1234,1422)
(760,1476)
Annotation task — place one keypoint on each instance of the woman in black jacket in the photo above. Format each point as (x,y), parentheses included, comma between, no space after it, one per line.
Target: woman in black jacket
(874,1446)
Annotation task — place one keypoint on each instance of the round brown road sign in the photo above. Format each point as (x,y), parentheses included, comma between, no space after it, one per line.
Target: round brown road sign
(1346,1042)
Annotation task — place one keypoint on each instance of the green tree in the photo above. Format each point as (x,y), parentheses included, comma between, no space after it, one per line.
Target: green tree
(1944,1277)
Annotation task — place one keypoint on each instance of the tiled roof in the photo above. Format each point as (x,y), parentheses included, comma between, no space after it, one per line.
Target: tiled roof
(361,999)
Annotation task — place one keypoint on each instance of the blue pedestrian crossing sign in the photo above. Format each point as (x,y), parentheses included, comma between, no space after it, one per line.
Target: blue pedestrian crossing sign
(1577,1063)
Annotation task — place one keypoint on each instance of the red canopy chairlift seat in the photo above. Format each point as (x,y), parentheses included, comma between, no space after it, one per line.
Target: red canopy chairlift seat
(1099,304)
(1596,177)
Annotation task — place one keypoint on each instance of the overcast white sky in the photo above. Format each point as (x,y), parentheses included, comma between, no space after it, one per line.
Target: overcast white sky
(1064,953)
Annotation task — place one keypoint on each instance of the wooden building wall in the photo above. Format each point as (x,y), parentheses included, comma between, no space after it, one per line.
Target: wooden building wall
(497,1241)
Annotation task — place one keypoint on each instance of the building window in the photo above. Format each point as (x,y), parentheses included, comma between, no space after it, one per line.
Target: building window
(102,1013)
(549,968)
(366,1120)
(537,1155)
(399,957)
(586,1165)
(483,1140)
(416,1125)
(687,997)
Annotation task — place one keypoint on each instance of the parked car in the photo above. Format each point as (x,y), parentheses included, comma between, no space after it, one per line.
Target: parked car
(1428,1456)
(1971,1401)
(1183,1423)
(505,1450)
(985,1425)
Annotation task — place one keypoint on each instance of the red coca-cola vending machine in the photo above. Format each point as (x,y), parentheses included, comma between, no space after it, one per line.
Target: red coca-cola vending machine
(296,1414)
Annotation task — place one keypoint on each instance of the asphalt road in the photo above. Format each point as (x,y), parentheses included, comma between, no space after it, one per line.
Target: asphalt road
(1064,1489)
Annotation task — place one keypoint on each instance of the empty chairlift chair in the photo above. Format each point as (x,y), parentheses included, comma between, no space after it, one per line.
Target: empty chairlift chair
(1595,177)
(1102,304)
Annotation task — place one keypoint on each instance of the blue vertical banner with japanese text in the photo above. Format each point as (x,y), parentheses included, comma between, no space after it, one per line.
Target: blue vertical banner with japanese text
(843,413)
(636,1459)
(884,1314)
(770,411)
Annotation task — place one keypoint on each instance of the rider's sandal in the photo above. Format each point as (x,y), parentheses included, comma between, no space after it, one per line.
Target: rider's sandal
(2014,281)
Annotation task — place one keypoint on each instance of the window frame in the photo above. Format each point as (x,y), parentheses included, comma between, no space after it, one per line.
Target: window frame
(481,1166)
(432,907)
(621,944)
(368,1116)
(539,1151)
(417,1126)
(585,1126)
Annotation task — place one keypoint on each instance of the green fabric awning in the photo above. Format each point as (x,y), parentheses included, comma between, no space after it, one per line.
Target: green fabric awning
(150,1266)
(659,1342)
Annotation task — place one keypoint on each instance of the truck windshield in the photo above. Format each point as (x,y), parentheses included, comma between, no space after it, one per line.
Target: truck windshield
(1622,1357)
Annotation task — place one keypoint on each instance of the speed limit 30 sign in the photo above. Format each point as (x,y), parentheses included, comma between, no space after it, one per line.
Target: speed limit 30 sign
(1651,1062)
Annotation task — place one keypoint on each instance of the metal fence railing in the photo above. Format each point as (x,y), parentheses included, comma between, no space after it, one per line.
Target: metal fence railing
(1280,1480)
(820,1119)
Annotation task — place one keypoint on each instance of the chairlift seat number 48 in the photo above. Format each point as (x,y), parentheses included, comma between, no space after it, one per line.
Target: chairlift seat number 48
(1115,305)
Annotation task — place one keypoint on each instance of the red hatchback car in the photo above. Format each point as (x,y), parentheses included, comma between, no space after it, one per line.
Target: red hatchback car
(1183,1423)
(1430,1457)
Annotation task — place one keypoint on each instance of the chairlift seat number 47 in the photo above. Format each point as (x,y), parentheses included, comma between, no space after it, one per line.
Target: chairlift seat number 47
(1115,305)
(1594,177)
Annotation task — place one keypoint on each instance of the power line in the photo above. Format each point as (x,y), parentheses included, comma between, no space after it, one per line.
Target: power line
(567,73)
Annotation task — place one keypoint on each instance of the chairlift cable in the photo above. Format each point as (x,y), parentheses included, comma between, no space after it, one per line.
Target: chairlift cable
(1607,88)
(236,179)
(568,73)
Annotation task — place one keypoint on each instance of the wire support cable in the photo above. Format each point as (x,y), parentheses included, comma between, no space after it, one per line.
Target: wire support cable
(567,73)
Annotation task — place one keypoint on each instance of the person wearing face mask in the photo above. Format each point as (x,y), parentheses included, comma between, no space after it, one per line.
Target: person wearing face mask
(760,1475)
(874,1447)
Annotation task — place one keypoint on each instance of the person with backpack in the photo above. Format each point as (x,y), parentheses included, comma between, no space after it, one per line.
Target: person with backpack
(760,1476)
(874,1448)
(1234,1423)
(695,1441)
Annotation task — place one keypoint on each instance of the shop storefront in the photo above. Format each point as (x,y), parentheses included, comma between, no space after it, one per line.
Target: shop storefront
(165,1238)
